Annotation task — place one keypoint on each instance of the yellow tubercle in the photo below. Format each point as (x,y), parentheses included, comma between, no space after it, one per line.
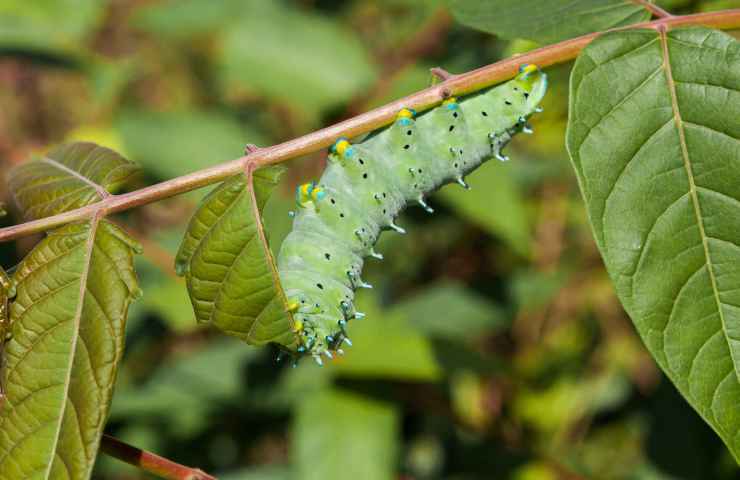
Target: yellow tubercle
(342,147)
(405,113)
(529,68)
(293,306)
(317,194)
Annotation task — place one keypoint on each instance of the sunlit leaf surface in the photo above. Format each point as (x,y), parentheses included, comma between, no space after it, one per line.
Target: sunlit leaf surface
(653,135)
(73,293)
(68,177)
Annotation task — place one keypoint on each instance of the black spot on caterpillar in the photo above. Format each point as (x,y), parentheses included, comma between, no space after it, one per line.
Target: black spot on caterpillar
(395,167)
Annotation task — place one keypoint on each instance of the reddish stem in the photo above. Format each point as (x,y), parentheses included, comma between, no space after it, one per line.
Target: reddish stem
(457,85)
(150,462)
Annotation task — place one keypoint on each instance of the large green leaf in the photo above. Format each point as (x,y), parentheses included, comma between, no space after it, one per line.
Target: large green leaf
(547,21)
(73,293)
(653,136)
(339,435)
(230,271)
(68,177)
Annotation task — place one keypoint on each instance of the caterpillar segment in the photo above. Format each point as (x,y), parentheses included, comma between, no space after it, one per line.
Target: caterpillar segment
(366,185)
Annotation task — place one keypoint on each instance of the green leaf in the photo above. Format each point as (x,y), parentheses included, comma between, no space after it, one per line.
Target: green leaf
(494,203)
(653,135)
(68,177)
(227,263)
(48,26)
(330,62)
(73,293)
(546,21)
(340,435)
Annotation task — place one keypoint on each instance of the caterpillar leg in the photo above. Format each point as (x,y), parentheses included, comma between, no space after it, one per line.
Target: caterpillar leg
(424,204)
(498,142)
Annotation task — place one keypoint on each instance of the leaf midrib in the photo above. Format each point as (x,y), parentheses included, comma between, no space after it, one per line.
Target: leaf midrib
(89,246)
(693,189)
(102,192)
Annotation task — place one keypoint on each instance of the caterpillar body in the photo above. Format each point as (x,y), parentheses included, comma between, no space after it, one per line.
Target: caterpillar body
(366,185)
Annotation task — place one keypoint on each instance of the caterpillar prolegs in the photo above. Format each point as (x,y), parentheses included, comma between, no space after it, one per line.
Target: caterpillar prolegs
(366,185)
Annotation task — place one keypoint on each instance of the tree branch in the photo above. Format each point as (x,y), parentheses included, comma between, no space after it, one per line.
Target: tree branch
(457,85)
(150,462)
(653,8)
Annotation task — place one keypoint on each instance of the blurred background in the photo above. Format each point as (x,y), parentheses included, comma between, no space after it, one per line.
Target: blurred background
(494,346)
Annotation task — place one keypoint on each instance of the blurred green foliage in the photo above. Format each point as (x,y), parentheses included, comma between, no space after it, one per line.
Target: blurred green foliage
(494,345)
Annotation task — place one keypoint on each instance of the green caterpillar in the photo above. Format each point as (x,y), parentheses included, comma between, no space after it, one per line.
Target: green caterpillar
(366,185)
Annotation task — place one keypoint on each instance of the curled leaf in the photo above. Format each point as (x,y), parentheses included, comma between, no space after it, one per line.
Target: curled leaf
(228,266)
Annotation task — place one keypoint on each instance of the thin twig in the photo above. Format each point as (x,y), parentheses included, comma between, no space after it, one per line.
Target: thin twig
(150,462)
(654,9)
(458,85)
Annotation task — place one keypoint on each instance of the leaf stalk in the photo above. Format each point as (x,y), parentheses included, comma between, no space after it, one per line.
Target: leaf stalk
(149,462)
